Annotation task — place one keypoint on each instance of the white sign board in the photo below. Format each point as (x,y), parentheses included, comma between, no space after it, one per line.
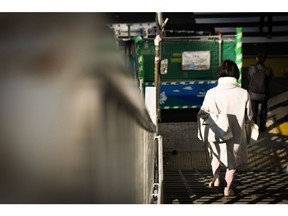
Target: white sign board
(150,102)
(196,60)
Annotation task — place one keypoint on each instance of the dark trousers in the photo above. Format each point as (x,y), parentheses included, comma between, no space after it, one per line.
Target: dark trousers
(262,113)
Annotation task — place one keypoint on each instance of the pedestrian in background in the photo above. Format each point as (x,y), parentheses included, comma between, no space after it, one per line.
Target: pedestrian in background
(259,77)
(234,101)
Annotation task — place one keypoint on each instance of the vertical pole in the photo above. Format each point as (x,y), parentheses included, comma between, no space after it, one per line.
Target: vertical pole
(238,51)
(129,32)
(220,50)
(156,81)
(157,43)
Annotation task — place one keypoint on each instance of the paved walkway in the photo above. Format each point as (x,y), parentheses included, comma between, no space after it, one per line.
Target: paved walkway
(251,187)
(264,180)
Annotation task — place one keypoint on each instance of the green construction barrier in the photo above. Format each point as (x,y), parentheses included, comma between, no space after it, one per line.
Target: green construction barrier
(228,50)
(172,50)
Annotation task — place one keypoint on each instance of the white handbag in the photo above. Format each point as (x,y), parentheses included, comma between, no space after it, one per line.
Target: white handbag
(214,127)
(252,131)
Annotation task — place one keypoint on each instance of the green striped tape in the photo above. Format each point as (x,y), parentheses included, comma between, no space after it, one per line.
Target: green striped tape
(181,107)
(138,41)
(183,82)
(238,51)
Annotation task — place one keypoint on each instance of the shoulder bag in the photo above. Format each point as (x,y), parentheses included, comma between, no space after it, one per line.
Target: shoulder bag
(214,127)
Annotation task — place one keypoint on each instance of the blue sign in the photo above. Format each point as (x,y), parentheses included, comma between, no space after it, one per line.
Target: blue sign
(183,95)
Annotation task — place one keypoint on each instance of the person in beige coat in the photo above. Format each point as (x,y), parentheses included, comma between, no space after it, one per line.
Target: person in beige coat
(234,101)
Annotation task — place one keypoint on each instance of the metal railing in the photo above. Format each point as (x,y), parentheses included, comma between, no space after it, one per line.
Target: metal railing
(126,148)
(74,126)
(101,147)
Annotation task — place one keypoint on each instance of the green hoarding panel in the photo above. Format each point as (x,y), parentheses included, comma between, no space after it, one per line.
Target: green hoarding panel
(173,49)
(228,50)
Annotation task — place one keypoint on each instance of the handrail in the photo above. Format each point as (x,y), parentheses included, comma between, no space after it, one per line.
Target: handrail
(127,90)
(84,137)
(120,89)
(74,125)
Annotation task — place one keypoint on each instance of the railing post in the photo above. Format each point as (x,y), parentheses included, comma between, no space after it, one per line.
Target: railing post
(158,184)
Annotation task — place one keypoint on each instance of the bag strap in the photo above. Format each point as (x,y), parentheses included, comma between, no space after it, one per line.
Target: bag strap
(216,102)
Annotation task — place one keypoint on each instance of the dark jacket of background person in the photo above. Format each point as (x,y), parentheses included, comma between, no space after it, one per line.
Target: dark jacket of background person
(268,71)
(260,98)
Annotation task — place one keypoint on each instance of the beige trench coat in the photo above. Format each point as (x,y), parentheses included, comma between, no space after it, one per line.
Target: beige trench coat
(235,101)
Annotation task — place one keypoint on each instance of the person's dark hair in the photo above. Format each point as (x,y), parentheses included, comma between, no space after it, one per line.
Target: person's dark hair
(228,69)
(261,57)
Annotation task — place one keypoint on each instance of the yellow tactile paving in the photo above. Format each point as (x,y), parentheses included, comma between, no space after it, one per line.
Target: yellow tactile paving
(278,113)
(284,129)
